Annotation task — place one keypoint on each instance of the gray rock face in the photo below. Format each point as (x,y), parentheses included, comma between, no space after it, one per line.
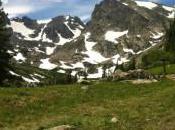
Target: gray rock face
(140,23)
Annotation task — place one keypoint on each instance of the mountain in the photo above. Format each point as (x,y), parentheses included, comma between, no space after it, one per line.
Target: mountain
(117,31)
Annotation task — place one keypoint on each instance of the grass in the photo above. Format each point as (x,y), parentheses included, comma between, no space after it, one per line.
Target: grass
(137,107)
(170,69)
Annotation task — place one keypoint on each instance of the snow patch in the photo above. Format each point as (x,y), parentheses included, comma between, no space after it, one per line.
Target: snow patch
(64,66)
(10,52)
(33,80)
(149,5)
(44,21)
(19,27)
(128,50)
(19,56)
(117,59)
(157,36)
(13,73)
(61,71)
(46,64)
(171,15)
(170,9)
(38,75)
(125,4)
(50,50)
(112,36)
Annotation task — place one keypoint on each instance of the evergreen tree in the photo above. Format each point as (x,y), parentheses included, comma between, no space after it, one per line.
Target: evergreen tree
(170,38)
(5,34)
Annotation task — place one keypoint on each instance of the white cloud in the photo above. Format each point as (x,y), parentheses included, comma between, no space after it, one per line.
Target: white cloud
(16,8)
(156,1)
(14,11)
(4,1)
(53,0)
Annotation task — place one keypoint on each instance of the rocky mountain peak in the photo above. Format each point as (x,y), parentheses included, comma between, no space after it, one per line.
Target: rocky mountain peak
(118,31)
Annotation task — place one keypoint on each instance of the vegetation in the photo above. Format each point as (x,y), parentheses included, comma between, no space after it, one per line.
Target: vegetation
(135,107)
(170,69)
(170,38)
(5,34)
(154,58)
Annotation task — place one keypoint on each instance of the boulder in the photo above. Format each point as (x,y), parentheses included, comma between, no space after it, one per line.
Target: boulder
(133,74)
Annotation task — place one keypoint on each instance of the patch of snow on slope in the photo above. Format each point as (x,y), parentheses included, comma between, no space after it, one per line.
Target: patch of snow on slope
(10,52)
(171,15)
(19,56)
(64,66)
(128,50)
(61,71)
(117,59)
(50,50)
(125,4)
(46,64)
(112,36)
(44,21)
(13,73)
(149,5)
(157,36)
(170,9)
(78,65)
(19,27)
(94,57)
(38,75)
(33,80)
(71,66)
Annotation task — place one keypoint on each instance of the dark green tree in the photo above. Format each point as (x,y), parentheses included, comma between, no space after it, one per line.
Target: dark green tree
(170,38)
(5,33)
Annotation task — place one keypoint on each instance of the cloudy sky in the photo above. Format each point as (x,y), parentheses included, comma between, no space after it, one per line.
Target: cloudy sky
(45,9)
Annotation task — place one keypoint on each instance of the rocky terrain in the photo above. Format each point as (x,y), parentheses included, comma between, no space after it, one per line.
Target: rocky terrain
(117,31)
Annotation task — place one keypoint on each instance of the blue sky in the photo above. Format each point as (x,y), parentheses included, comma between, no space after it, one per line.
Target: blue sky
(45,9)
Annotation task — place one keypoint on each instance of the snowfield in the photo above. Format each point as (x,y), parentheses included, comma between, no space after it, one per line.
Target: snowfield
(149,5)
(19,27)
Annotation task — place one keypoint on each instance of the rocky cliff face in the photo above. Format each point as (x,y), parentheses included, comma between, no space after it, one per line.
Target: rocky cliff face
(118,30)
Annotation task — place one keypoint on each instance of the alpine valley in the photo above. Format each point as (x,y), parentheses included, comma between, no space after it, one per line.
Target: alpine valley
(117,31)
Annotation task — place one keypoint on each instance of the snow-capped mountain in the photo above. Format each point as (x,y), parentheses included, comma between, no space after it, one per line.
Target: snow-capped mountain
(118,30)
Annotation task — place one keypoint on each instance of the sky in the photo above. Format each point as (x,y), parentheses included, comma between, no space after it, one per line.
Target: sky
(46,9)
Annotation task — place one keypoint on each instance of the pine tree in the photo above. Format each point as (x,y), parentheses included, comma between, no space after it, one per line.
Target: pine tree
(5,34)
(170,38)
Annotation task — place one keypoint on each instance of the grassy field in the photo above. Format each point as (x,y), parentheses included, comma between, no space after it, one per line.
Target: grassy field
(136,107)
